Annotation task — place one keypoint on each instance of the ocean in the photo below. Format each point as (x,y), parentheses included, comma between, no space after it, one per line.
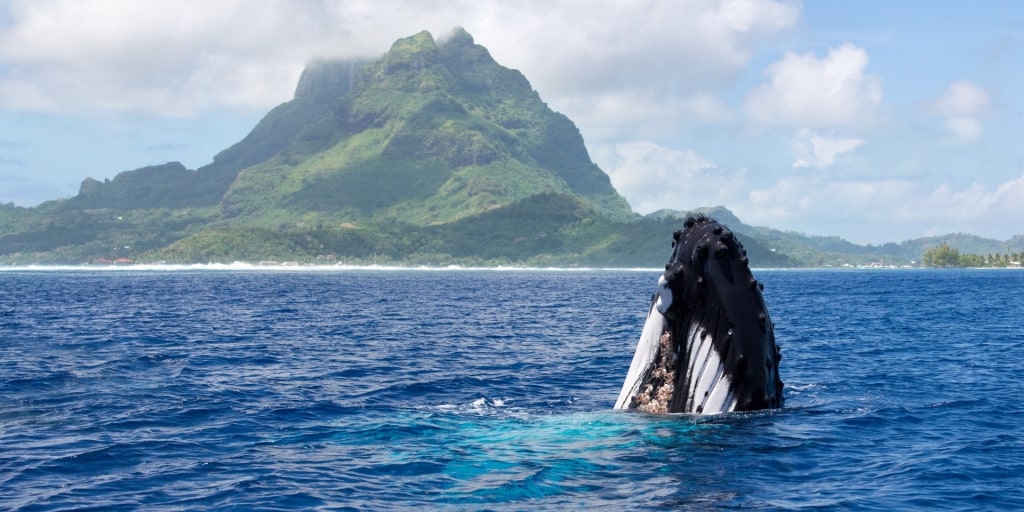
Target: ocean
(458,389)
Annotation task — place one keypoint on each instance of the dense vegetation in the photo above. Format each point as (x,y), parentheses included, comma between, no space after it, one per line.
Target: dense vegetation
(944,256)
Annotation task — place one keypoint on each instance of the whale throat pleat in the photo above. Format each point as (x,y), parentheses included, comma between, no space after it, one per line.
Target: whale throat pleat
(643,359)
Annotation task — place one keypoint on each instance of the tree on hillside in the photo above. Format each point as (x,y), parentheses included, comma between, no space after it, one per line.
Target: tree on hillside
(941,256)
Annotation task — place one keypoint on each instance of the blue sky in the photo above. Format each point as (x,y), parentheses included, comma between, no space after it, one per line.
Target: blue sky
(874,121)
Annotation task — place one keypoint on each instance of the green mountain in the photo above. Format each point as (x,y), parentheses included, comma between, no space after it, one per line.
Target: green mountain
(431,154)
(427,134)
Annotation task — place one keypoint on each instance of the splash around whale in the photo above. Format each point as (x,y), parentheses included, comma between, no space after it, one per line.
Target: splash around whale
(708,345)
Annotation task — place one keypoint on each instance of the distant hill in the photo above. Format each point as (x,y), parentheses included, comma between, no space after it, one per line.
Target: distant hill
(832,251)
(431,154)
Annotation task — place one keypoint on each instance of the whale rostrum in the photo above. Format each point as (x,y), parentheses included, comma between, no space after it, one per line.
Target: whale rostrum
(708,345)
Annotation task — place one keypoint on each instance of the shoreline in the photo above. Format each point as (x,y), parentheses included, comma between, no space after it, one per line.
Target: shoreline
(338,267)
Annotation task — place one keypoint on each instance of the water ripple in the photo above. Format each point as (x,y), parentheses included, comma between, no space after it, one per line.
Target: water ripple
(492,390)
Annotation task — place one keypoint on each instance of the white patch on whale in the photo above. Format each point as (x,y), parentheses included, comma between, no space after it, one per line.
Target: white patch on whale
(643,358)
(664,300)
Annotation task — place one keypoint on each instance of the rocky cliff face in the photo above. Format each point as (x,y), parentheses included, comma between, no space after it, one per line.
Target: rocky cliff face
(325,81)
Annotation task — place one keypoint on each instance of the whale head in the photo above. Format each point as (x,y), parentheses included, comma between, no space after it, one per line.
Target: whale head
(708,345)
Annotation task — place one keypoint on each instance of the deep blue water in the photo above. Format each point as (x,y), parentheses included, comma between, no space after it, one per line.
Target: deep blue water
(382,390)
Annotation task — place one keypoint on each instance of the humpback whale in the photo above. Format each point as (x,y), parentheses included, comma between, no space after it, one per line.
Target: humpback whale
(708,345)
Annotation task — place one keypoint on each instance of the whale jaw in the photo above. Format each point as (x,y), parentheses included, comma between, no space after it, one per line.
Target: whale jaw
(708,345)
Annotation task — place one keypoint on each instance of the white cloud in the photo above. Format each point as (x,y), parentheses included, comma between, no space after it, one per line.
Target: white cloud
(820,200)
(653,62)
(652,177)
(814,150)
(864,210)
(1010,196)
(964,129)
(180,58)
(640,109)
(708,108)
(962,98)
(803,90)
(158,57)
(874,211)
(978,202)
(963,104)
(668,46)
(640,113)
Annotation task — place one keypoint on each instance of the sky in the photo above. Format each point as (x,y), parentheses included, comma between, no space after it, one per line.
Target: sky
(875,121)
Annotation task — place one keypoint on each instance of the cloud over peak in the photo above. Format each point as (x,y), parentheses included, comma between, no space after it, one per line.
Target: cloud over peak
(190,56)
